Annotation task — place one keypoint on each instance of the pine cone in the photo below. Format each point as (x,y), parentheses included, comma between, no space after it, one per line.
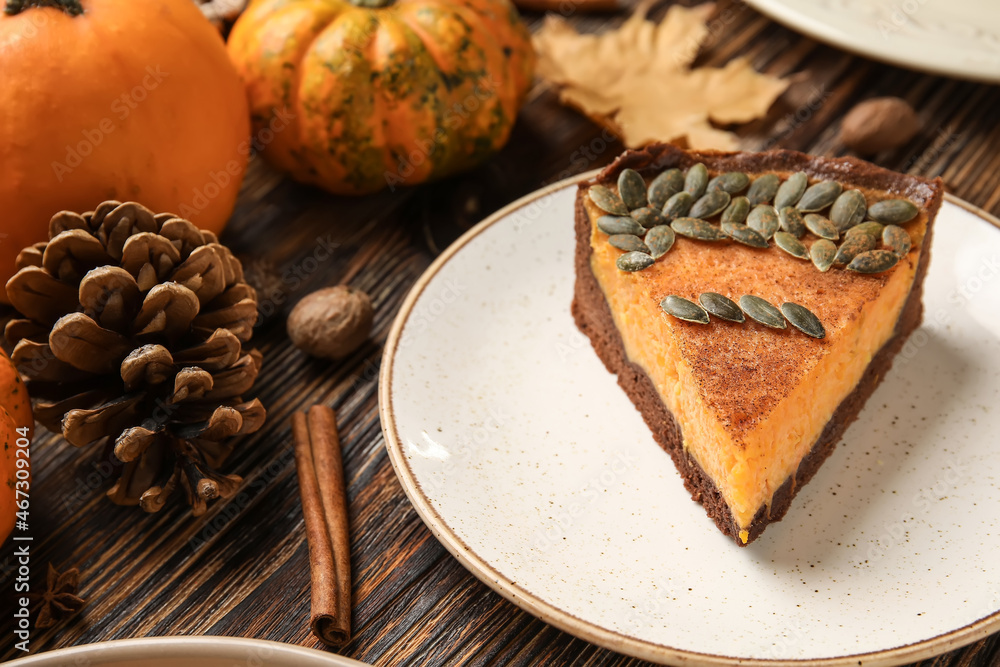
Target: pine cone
(132,338)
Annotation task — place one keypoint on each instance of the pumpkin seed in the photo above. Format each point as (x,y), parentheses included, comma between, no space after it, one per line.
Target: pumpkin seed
(764,220)
(660,240)
(665,186)
(792,221)
(648,217)
(822,253)
(873,229)
(696,228)
(790,192)
(874,261)
(613,224)
(744,234)
(677,206)
(763,189)
(821,227)
(712,203)
(634,261)
(791,245)
(848,210)
(731,182)
(722,307)
(897,240)
(803,319)
(629,243)
(632,189)
(760,310)
(696,180)
(819,196)
(893,211)
(853,245)
(683,309)
(737,210)
(607,200)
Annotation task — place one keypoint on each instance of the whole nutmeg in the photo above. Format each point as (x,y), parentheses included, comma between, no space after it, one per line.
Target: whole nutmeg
(331,322)
(879,124)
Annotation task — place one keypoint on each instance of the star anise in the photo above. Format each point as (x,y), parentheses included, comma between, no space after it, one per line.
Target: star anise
(60,600)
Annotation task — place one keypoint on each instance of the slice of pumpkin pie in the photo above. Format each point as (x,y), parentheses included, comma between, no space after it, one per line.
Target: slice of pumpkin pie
(749,304)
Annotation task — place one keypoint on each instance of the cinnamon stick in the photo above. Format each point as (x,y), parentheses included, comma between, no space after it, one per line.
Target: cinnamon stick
(324,506)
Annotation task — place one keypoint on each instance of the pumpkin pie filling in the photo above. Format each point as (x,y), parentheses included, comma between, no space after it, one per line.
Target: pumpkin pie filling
(750,402)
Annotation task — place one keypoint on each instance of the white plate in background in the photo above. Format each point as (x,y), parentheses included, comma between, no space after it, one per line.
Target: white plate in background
(186,652)
(959,38)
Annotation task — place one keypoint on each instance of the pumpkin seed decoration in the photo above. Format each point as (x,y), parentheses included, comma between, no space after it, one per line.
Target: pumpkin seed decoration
(722,307)
(737,210)
(871,228)
(792,221)
(790,192)
(678,203)
(628,243)
(731,182)
(803,319)
(677,206)
(822,253)
(791,245)
(696,180)
(648,217)
(819,196)
(696,228)
(660,240)
(614,224)
(893,211)
(873,261)
(632,189)
(762,311)
(634,261)
(897,240)
(712,203)
(743,234)
(683,309)
(848,210)
(665,186)
(853,245)
(763,189)
(764,220)
(606,200)
(821,227)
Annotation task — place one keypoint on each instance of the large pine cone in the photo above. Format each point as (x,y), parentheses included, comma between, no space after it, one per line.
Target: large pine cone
(133,338)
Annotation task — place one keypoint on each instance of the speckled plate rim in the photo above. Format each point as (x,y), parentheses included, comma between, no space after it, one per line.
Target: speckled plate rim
(180,648)
(809,25)
(561,618)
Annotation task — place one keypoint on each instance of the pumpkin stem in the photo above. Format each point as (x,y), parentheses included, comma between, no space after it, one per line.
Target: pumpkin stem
(71,7)
(372,4)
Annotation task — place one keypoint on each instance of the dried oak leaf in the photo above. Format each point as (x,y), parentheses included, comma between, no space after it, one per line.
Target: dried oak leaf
(637,79)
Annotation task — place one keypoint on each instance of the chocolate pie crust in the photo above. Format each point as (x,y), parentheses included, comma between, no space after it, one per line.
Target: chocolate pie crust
(593,317)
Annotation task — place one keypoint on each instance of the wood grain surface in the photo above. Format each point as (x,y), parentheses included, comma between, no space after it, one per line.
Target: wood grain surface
(242,569)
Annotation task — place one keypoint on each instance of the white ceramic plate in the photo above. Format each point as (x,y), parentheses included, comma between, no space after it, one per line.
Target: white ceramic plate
(958,38)
(186,652)
(531,466)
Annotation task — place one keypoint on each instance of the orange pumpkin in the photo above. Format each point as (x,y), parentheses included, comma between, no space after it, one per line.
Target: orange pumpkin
(15,412)
(104,99)
(357,95)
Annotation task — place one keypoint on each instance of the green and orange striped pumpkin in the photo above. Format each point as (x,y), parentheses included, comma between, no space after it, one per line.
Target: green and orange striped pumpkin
(357,96)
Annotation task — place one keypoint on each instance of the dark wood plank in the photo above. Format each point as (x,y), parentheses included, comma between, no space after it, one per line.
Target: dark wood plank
(242,569)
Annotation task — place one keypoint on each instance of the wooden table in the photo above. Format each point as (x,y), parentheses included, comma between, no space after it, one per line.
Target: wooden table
(242,568)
